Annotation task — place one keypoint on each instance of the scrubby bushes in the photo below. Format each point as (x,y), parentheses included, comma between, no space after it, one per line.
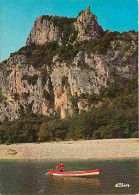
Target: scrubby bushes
(100,45)
(64,24)
(117,117)
(32,80)
(1,95)
(16,96)
(42,55)
(52,130)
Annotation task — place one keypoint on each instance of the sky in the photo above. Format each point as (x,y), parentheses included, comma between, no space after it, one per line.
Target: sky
(17,17)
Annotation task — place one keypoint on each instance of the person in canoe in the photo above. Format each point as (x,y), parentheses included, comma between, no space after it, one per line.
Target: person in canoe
(60,167)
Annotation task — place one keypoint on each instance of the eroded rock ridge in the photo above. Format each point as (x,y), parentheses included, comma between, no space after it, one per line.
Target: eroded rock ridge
(65,60)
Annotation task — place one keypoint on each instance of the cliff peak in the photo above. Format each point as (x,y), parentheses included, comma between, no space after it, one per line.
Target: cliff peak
(54,28)
(87,26)
(88,8)
(66,79)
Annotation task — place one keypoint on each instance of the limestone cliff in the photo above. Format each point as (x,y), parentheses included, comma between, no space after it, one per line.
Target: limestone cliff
(54,28)
(87,26)
(65,60)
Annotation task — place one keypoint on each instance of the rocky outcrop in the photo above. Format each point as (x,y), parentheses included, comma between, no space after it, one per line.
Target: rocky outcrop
(44,30)
(87,26)
(62,85)
(54,28)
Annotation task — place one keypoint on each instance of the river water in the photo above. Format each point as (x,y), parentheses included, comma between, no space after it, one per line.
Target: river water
(29,177)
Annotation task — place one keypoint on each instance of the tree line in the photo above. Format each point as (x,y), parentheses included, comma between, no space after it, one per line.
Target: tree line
(114,115)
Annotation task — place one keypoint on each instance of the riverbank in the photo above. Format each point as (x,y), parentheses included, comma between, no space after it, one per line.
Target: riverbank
(82,149)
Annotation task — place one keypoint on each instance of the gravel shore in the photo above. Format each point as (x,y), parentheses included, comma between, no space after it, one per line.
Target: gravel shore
(83,149)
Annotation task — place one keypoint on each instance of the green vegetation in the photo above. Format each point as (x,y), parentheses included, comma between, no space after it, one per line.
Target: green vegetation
(63,23)
(41,56)
(53,129)
(73,36)
(67,53)
(99,45)
(80,13)
(25,110)
(113,112)
(65,81)
(74,100)
(16,96)
(32,80)
(47,95)
(59,21)
(25,95)
(1,95)
(46,17)
(115,117)
(44,76)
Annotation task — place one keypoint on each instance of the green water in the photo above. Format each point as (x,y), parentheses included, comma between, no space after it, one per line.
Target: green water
(28,177)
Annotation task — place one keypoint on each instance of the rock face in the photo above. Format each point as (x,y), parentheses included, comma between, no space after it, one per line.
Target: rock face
(44,31)
(53,28)
(26,85)
(87,26)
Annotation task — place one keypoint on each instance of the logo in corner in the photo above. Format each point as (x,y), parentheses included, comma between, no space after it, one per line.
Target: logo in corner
(122,185)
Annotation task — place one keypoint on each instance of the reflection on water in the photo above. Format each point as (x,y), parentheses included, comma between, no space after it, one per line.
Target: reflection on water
(29,177)
(81,180)
(63,184)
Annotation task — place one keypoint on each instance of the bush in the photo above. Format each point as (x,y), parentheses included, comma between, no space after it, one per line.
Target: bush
(16,96)
(44,77)
(74,100)
(32,80)
(97,135)
(135,134)
(52,130)
(46,95)
(45,134)
(111,131)
(1,95)
(25,95)
(73,36)
(93,98)
(116,117)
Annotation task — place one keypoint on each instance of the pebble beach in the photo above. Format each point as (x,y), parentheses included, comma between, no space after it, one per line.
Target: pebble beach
(81,149)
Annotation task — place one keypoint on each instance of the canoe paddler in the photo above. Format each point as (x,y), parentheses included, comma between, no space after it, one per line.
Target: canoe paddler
(60,167)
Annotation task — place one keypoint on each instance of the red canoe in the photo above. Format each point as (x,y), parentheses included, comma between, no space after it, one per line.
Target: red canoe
(74,173)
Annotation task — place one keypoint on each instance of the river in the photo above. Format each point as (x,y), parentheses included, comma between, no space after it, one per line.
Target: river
(30,177)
